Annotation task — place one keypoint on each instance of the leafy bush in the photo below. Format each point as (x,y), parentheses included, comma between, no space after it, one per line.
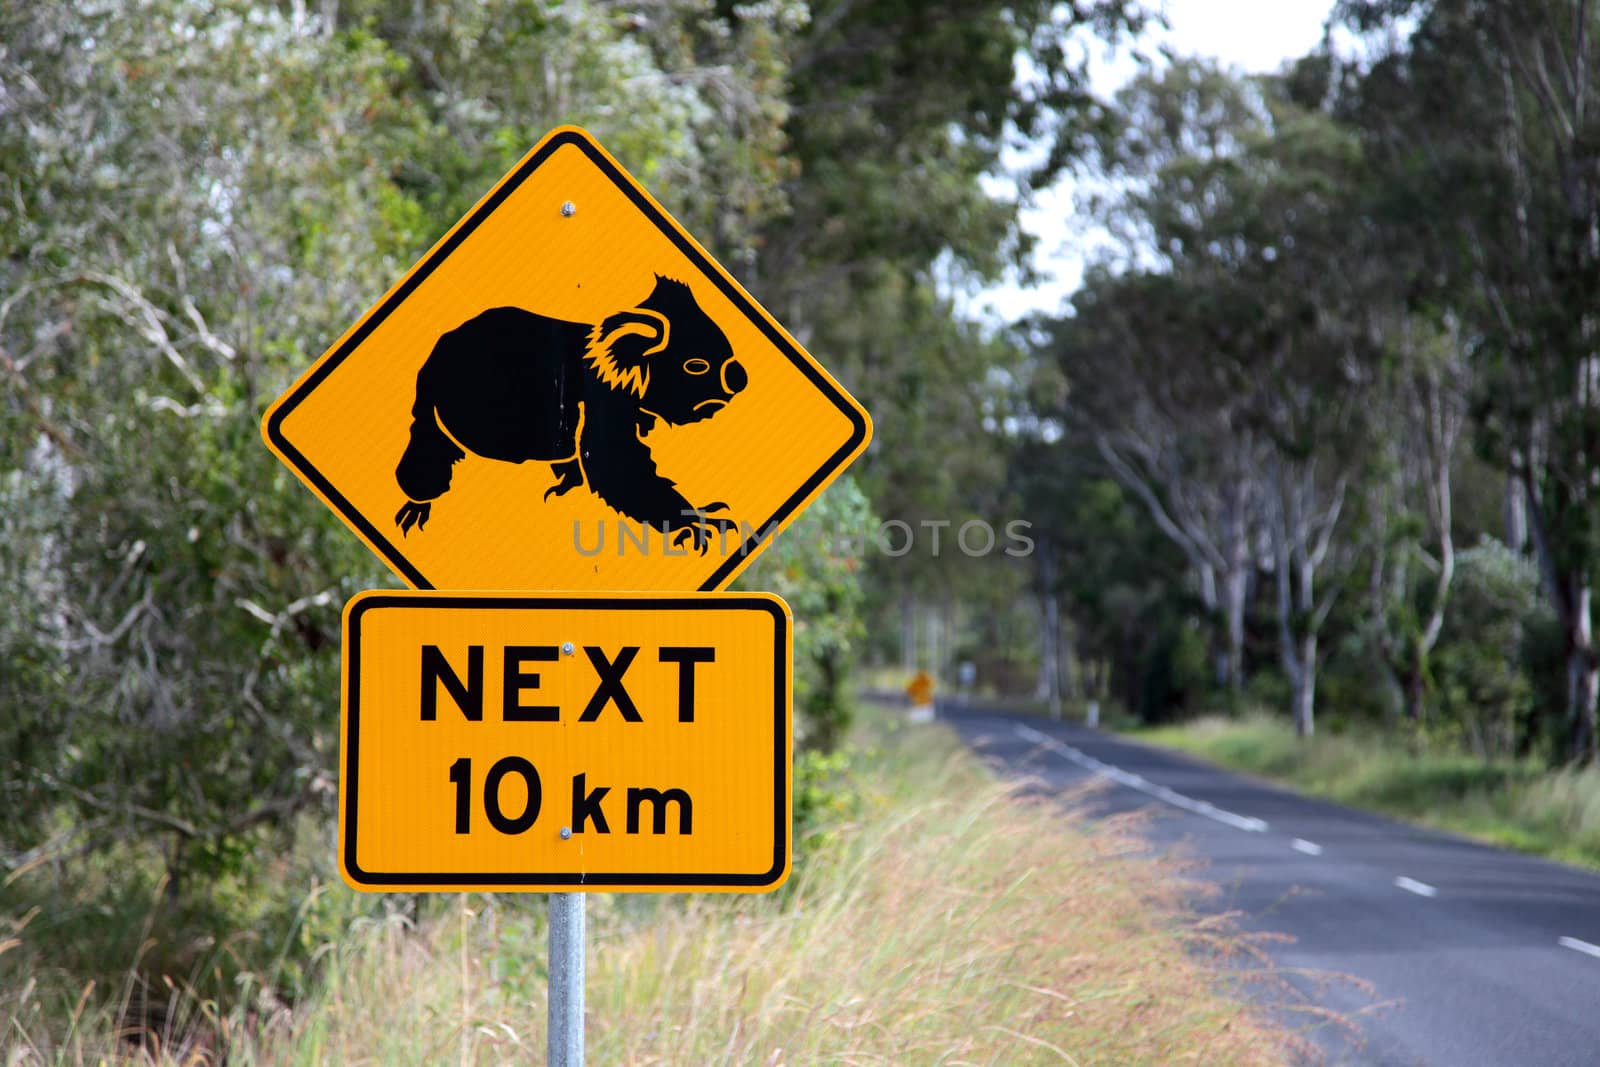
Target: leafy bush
(824,795)
(1485,692)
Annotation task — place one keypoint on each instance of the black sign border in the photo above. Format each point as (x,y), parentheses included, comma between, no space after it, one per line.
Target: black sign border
(533,881)
(669,227)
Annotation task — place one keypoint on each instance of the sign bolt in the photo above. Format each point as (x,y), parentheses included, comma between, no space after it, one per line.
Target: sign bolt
(568,209)
(566,832)
(566,648)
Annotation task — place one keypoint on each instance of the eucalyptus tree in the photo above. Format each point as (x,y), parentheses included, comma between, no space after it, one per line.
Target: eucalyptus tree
(1150,390)
(1488,115)
(1410,519)
(1140,353)
(1281,234)
(1231,385)
(899,109)
(1121,583)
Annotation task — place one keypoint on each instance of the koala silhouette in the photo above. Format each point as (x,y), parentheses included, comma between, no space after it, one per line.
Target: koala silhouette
(514,386)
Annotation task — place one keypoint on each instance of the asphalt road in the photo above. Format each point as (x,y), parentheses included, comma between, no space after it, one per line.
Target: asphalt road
(1460,954)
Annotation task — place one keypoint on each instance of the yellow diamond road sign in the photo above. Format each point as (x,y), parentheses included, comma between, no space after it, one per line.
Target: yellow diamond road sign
(566,742)
(566,392)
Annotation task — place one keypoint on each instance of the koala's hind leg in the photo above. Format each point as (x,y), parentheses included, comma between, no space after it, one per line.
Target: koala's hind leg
(424,469)
(570,471)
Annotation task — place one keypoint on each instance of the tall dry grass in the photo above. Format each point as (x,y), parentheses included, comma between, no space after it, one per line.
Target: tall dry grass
(950,921)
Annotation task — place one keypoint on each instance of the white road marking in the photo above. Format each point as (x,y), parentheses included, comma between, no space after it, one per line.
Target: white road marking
(1134,781)
(1411,885)
(1310,848)
(1578,946)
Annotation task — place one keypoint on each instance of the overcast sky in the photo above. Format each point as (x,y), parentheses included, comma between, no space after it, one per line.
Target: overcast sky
(1253,35)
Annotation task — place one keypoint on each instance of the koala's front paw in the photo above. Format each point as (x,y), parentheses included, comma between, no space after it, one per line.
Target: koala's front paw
(699,525)
(412,514)
(571,474)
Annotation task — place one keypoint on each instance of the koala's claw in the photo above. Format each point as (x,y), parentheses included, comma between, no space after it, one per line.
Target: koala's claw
(412,514)
(699,529)
(571,475)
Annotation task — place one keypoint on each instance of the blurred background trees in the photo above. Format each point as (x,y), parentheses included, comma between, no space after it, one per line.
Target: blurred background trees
(1348,326)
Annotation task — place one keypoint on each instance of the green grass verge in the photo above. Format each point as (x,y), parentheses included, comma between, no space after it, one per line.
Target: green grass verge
(1518,804)
(937,917)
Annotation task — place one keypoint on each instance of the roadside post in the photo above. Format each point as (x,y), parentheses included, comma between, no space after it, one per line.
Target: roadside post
(567,428)
(919,691)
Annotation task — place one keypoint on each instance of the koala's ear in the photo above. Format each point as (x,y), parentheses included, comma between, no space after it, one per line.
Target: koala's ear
(651,327)
(620,348)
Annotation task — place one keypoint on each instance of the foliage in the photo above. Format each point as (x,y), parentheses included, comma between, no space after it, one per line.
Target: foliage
(1484,687)
(1227,384)
(690,93)
(1487,125)
(815,566)
(1175,673)
(181,594)
(900,119)
(824,794)
(1120,581)
(1325,275)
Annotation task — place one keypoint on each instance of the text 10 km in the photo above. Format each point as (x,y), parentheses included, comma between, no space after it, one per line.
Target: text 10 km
(588,811)
(587,804)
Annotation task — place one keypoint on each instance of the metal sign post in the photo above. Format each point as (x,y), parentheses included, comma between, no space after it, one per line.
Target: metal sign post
(567,939)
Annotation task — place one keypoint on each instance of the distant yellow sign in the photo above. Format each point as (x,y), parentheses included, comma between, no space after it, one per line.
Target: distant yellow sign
(920,689)
(566,742)
(567,392)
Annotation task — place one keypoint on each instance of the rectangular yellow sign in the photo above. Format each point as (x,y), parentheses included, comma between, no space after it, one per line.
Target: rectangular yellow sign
(565,742)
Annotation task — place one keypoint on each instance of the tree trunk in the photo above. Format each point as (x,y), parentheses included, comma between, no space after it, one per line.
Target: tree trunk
(1582,676)
(1585,681)
(1298,666)
(1516,515)
(1302,699)
(1411,685)
(1303,686)
(908,634)
(1235,588)
(1050,654)
(1298,617)
(1066,655)
(1572,596)
(1240,558)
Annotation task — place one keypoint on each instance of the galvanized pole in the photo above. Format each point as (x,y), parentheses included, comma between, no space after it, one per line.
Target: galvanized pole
(566,979)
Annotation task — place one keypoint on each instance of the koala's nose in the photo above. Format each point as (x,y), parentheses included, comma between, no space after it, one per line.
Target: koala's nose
(733,377)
